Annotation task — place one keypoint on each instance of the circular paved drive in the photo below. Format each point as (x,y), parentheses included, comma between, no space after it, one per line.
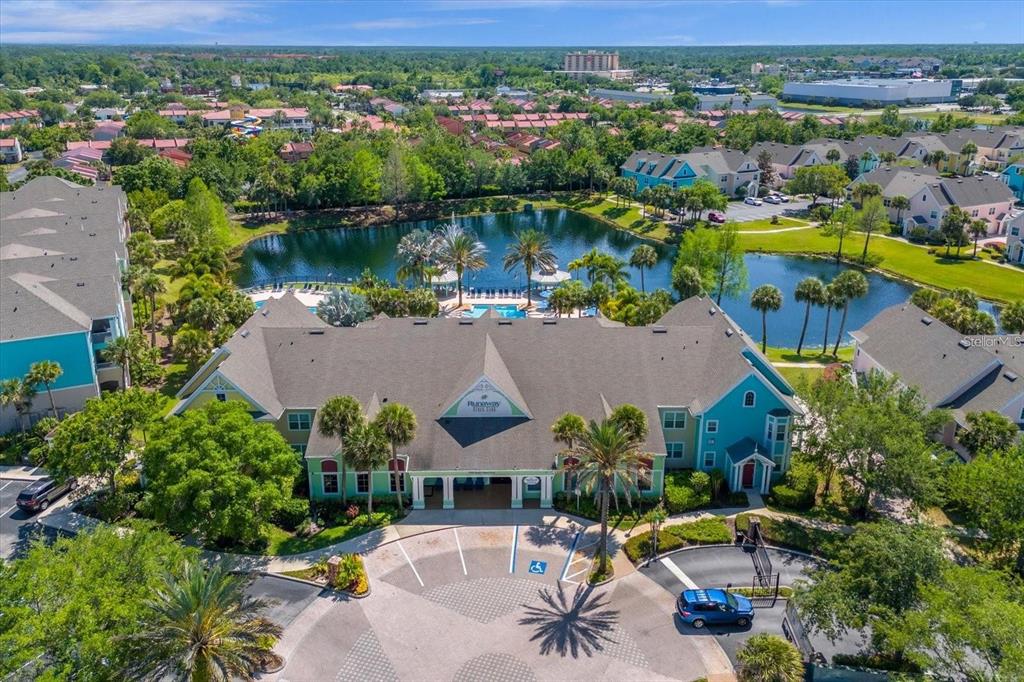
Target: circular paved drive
(494,603)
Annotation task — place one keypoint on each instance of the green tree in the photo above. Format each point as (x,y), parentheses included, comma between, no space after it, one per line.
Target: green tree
(45,372)
(336,418)
(607,457)
(218,473)
(849,284)
(687,281)
(730,268)
(98,440)
(952,227)
(843,222)
(192,345)
(105,575)
(460,250)
(416,251)
(568,429)
(367,449)
(530,249)
(631,420)
(126,352)
(901,204)
(988,432)
(398,424)
(769,658)
(765,298)
(643,256)
(151,285)
(19,394)
(1012,317)
(810,291)
(342,307)
(201,625)
(872,216)
(977,228)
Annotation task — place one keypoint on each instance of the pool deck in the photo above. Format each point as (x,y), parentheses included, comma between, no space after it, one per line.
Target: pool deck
(309,297)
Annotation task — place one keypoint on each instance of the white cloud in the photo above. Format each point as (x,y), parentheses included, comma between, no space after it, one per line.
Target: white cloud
(400,23)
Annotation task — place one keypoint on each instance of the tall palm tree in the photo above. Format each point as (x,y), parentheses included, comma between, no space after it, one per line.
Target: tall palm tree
(336,418)
(833,299)
(936,158)
(124,351)
(770,658)
(568,428)
(416,251)
(398,424)
(367,449)
(811,291)
(18,393)
(532,250)
(967,153)
(201,625)
(151,285)
(460,250)
(643,256)
(45,372)
(606,455)
(851,284)
(978,229)
(901,204)
(766,297)
(608,269)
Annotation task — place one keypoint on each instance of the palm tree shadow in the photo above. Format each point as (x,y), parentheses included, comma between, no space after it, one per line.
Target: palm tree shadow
(569,625)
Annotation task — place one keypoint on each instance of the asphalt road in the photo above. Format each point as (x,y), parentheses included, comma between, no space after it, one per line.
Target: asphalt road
(739,212)
(15,525)
(285,599)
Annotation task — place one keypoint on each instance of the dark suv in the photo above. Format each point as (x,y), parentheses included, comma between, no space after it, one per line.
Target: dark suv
(39,494)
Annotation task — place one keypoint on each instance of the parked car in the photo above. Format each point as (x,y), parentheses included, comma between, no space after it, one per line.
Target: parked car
(704,607)
(773,199)
(753,201)
(783,198)
(716,217)
(40,494)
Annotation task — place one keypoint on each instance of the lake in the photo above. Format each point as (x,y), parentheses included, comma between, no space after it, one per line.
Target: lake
(340,255)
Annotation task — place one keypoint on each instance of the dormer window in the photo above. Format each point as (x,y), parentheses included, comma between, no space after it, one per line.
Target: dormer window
(749,399)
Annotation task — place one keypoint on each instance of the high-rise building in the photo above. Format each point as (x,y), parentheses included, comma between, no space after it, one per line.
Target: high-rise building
(591,60)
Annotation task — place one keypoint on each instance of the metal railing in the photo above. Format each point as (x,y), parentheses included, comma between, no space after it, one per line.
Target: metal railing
(762,562)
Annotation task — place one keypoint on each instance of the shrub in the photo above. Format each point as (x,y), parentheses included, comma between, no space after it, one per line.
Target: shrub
(292,513)
(790,534)
(713,531)
(738,499)
(351,574)
(638,547)
(799,487)
(918,234)
(875,662)
(680,493)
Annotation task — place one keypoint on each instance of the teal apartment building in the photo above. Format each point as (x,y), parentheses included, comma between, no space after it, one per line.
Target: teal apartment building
(62,256)
(1013,176)
(486,392)
(731,171)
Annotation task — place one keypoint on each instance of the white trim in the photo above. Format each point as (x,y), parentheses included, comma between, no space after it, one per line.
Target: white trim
(216,354)
(184,403)
(753,403)
(704,459)
(707,426)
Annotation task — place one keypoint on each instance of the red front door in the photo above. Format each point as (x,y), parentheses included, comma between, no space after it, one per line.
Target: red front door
(748,474)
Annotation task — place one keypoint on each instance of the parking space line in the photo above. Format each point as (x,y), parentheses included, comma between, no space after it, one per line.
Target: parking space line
(678,573)
(459,545)
(515,544)
(568,557)
(411,565)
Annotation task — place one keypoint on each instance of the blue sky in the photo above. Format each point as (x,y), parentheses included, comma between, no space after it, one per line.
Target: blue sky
(510,22)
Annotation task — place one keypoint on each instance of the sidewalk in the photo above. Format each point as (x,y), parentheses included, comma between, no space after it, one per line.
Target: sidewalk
(21,473)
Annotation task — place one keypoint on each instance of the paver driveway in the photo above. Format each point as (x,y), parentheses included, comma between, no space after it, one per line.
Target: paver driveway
(496,603)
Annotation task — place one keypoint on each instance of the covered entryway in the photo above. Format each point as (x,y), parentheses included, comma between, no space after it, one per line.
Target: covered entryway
(748,473)
(478,492)
(748,468)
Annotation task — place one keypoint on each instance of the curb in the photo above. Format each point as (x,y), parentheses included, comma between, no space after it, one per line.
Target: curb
(692,547)
(328,588)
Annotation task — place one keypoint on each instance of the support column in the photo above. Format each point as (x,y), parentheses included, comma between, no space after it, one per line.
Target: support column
(517,492)
(545,491)
(417,492)
(766,478)
(449,492)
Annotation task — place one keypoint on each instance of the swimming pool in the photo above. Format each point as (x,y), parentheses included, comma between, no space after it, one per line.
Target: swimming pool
(507,310)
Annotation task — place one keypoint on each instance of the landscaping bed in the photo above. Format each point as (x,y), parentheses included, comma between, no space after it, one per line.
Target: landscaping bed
(710,531)
(350,577)
(790,534)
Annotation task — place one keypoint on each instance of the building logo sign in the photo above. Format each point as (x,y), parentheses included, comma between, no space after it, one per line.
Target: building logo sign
(483,399)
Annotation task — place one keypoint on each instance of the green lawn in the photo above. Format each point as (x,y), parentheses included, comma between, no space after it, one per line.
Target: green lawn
(811,353)
(281,542)
(242,234)
(623,217)
(901,259)
(763,225)
(824,108)
(799,377)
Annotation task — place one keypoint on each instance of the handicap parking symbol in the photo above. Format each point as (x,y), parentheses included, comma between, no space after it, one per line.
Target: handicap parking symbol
(538,567)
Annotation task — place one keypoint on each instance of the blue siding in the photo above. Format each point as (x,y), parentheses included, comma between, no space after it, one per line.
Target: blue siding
(72,351)
(1014,177)
(768,372)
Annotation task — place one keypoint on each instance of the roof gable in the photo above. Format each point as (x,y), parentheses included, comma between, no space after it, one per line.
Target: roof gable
(492,392)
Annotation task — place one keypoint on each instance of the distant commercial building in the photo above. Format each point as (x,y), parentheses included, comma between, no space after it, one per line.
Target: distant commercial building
(735,102)
(629,95)
(593,63)
(759,69)
(873,91)
(709,88)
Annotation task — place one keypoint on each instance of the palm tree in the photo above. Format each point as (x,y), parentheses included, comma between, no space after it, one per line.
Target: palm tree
(968,152)
(460,250)
(398,424)
(336,418)
(833,299)
(646,196)
(608,269)
(606,455)
(764,298)
(201,625)
(123,351)
(687,281)
(416,251)
(851,284)
(978,229)
(45,372)
(18,393)
(568,428)
(871,217)
(833,155)
(901,204)
(769,658)
(936,158)
(532,250)
(366,449)
(643,256)
(811,291)
(150,286)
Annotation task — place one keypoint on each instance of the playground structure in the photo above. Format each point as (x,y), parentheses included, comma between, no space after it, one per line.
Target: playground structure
(247,126)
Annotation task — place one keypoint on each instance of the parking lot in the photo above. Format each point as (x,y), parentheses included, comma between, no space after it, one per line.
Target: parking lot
(501,602)
(739,212)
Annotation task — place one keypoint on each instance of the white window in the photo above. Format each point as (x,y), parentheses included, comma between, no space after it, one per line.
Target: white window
(363,483)
(1021,415)
(709,459)
(770,435)
(749,398)
(974,213)
(330,484)
(780,433)
(401,481)
(674,420)
(712,426)
(674,450)
(934,214)
(299,421)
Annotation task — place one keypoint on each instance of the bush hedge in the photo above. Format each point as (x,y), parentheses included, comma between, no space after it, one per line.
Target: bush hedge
(686,490)
(790,534)
(798,489)
(713,531)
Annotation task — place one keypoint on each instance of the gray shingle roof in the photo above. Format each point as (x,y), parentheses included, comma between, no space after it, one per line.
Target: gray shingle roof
(899,181)
(974,191)
(59,250)
(572,365)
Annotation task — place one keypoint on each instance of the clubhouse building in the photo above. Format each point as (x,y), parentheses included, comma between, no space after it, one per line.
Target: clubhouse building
(486,392)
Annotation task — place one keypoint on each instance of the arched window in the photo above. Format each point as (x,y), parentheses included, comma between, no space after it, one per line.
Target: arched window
(329,470)
(749,399)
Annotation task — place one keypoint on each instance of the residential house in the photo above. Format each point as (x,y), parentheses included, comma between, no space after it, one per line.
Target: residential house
(1013,176)
(487,399)
(82,161)
(732,171)
(289,118)
(1015,237)
(62,249)
(293,152)
(10,150)
(963,375)
(108,130)
(179,157)
(22,116)
(786,158)
(994,148)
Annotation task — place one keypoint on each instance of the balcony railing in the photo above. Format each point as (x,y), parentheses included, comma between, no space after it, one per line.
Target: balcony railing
(101,337)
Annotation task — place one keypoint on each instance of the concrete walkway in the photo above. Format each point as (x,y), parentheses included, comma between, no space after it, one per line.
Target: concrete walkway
(21,473)
(781,229)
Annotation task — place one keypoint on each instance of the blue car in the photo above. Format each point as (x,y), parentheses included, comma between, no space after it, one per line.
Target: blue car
(703,607)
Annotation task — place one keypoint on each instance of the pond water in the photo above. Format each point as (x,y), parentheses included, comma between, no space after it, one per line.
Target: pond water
(340,255)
